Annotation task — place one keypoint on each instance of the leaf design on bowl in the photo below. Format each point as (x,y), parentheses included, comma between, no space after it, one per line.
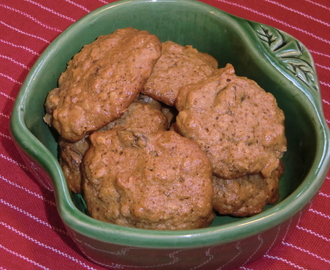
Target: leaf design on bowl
(290,52)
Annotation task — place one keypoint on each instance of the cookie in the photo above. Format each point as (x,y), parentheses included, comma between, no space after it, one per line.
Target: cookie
(158,181)
(70,158)
(178,66)
(237,123)
(144,115)
(101,81)
(247,195)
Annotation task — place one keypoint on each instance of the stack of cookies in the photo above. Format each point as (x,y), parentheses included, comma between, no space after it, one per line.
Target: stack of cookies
(156,136)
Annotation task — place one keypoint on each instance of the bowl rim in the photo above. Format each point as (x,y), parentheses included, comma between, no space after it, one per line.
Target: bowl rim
(82,224)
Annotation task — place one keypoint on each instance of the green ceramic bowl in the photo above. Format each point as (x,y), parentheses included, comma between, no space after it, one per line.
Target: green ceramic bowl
(277,61)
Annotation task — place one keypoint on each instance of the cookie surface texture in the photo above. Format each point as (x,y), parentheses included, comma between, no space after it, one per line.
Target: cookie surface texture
(158,181)
(101,81)
(178,66)
(235,122)
(247,195)
(70,158)
(142,115)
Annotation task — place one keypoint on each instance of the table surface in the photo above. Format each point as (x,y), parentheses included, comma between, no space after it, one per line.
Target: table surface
(32,235)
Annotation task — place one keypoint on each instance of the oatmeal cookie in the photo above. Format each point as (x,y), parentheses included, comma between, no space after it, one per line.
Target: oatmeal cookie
(235,122)
(101,81)
(143,115)
(158,181)
(247,195)
(70,157)
(178,66)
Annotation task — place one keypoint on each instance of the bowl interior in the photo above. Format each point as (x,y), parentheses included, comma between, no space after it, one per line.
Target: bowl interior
(227,38)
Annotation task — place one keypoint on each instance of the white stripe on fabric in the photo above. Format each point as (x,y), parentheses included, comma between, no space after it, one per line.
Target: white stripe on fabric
(19,46)
(276,20)
(50,10)
(14,161)
(5,115)
(32,217)
(32,18)
(306,251)
(35,241)
(5,136)
(326,102)
(321,66)
(24,33)
(285,261)
(321,193)
(27,190)
(319,213)
(318,4)
(11,79)
(319,53)
(78,5)
(23,258)
(314,233)
(324,83)
(298,12)
(14,61)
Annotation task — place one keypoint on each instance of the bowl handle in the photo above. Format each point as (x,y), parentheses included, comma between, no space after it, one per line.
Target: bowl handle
(291,58)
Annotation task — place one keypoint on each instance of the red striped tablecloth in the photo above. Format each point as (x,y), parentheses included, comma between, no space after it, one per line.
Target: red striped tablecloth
(32,235)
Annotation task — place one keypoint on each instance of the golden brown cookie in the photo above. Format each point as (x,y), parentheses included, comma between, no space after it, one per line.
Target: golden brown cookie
(156,181)
(235,122)
(178,66)
(247,195)
(142,115)
(70,157)
(101,81)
